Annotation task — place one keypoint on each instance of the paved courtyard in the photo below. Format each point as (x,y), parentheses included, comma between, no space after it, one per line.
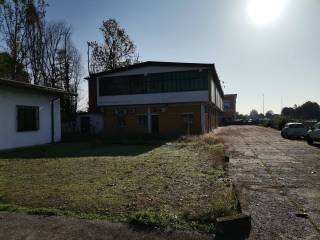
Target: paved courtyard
(278,182)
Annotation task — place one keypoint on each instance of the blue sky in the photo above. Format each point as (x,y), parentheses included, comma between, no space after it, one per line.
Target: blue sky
(258,49)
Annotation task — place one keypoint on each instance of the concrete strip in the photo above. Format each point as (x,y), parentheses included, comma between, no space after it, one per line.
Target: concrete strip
(275,178)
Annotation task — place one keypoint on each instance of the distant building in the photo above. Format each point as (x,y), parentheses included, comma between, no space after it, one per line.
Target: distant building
(229,107)
(165,98)
(30,114)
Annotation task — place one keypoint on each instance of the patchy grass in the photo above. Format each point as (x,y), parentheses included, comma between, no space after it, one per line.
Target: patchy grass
(178,183)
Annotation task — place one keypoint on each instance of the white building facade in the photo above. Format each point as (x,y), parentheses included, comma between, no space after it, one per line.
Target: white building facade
(30,115)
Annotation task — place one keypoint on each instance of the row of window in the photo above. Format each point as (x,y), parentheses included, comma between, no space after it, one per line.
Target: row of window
(154,83)
(142,120)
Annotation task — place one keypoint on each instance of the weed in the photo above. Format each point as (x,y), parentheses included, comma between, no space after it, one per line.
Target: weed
(152,218)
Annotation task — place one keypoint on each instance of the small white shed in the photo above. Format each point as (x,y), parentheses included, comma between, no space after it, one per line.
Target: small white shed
(29,114)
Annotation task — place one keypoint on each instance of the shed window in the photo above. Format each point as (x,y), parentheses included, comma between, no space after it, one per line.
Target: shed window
(188,118)
(27,118)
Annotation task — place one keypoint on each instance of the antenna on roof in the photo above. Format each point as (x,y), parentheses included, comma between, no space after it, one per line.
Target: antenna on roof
(263,103)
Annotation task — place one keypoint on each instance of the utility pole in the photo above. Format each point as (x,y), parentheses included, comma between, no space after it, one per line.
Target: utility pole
(88,53)
(263,103)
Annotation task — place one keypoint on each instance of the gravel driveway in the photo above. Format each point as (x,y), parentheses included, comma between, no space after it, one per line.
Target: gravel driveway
(278,182)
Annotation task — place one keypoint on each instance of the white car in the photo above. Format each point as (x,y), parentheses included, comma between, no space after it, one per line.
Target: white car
(314,134)
(292,130)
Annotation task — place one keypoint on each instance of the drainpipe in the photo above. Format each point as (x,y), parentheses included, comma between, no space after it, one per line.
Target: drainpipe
(202,117)
(149,120)
(52,118)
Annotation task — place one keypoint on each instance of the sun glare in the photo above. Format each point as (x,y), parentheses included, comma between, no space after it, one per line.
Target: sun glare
(265,11)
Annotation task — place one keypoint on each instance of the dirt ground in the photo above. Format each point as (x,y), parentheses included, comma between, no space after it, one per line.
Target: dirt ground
(15,226)
(277,180)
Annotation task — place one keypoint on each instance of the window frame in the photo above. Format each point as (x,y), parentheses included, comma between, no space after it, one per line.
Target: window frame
(188,116)
(20,127)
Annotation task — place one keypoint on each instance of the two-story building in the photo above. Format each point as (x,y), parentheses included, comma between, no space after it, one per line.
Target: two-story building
(165,98)
(230,108)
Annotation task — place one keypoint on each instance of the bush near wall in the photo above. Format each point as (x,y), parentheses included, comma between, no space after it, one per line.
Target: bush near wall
(276,122)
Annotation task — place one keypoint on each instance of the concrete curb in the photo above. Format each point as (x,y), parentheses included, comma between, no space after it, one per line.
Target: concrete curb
(234,227)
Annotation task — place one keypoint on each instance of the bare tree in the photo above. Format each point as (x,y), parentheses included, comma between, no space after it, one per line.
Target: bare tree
(43,49)
(76,75)
(12,30)
(35,39)
(69,72)
(117,50)
(55,36)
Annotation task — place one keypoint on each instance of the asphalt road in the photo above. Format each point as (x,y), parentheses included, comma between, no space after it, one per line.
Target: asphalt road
(278,182)
(16,226)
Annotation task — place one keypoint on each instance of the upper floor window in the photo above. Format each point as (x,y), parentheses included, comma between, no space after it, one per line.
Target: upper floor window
(227,105)
(154,83)
(27,118)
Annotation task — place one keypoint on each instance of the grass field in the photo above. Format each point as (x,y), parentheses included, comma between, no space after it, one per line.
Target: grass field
(178,184)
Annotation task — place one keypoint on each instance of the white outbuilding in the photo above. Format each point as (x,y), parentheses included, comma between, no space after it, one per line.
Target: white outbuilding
(29,114)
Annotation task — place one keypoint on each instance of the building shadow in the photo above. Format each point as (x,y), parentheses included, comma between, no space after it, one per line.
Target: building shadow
(317,145)
(86,147)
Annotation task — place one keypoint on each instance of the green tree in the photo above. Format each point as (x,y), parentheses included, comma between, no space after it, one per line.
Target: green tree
(254,114)
(288,112)
(269,114)
(309,110)
(118,49)
(6,68)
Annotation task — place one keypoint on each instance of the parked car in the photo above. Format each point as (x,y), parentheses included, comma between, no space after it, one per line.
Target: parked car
(292,130)
(314,134)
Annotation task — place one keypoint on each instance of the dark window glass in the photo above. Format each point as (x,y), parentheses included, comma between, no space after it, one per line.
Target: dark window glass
(27,118)
(142,121)
(154,83)
(227,105)
(188,118)
(137,84)
(121,115)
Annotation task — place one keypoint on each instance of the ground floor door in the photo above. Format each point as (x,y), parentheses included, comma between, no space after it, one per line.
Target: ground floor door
(85,125)
(155,124)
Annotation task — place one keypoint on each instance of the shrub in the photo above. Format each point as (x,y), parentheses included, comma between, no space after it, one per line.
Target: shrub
(278,122)
(223,205)
(153,218)
(43,211)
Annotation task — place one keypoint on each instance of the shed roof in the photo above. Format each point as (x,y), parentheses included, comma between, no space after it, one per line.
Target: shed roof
(37,88)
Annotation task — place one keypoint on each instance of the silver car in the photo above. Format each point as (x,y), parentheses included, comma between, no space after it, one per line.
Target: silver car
(294,130)
(314,134)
